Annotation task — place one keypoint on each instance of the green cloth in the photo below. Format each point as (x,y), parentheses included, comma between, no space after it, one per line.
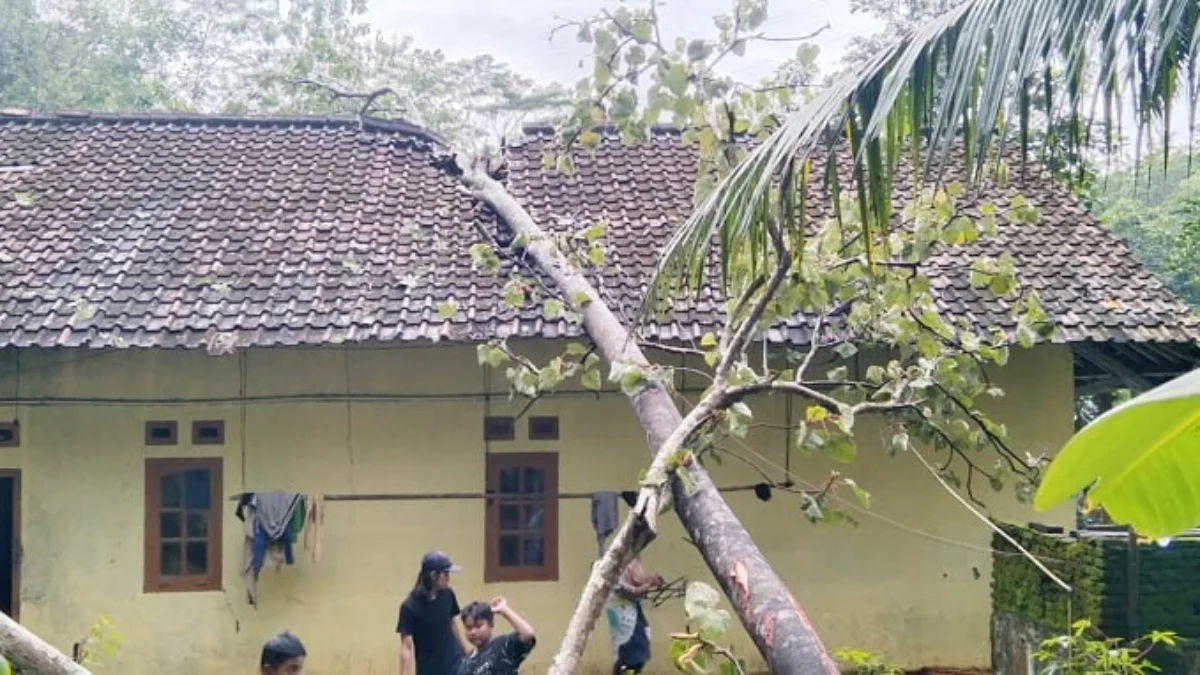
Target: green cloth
(296,524)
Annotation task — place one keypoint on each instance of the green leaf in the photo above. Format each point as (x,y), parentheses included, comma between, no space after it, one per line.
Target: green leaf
(576,349)
(815,413)
(860,494)
(597,255)
(591,379)
(491,355)
(24,199)
(1142,456)
(846,350)
(553,309)
(841,448)
(699,597)
(708,340)
(448,309)
(514,293)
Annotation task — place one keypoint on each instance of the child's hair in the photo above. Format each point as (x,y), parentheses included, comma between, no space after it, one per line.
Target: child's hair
(478,611)
(280,649)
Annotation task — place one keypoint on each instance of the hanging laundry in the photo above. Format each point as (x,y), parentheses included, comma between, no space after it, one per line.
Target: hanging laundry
(272,520)
(604,516)
(314,520)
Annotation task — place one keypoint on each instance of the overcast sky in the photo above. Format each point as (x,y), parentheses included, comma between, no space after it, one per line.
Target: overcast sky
(517,31)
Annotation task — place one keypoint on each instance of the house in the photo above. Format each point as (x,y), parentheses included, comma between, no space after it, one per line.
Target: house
(196,307)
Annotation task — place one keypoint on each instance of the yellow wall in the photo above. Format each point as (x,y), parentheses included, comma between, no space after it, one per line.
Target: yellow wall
(903,584)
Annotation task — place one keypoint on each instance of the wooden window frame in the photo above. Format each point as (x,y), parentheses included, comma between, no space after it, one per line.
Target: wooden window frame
(154,582)
(543,428)
(219,439)
(14,430)
(166,424)
(548,463)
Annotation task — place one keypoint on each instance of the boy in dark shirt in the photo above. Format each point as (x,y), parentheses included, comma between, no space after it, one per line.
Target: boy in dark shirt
(498,656)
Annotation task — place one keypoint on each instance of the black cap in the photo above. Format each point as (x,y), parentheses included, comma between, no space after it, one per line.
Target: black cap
(438,561)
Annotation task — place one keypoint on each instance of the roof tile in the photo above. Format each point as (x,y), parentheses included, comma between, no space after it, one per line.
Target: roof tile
(194,231)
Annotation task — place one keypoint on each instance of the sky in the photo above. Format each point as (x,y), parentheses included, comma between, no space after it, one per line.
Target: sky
(517,31)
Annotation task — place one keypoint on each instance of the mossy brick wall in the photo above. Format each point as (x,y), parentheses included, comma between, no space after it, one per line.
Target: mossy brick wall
(1166,595)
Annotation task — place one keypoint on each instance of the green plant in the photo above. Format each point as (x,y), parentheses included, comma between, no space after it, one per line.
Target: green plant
(697,650)
(101,641)
(865,663)
(1084,651)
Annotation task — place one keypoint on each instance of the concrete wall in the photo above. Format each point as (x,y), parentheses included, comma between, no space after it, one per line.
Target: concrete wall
(910,583)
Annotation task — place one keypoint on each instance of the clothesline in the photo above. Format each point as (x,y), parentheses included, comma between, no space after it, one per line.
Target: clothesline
(420,496)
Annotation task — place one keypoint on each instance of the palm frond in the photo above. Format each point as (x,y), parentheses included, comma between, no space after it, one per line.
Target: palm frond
(961,78)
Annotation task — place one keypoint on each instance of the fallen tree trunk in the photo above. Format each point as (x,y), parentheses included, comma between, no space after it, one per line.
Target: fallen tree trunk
(32,654)
(779,628)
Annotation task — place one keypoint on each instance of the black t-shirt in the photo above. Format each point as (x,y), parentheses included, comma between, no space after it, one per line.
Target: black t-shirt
(430,623)
(501,656)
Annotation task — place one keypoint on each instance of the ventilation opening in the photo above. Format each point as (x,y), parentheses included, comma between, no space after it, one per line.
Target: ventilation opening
(208,432)
(543,428)
(162,433)
(499,429)
(10,436)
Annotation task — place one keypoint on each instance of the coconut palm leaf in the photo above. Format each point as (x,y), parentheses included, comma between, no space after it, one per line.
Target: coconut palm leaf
(961,78)
(1142,459)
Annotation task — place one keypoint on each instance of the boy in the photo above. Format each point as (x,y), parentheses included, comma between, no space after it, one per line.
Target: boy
(283,654)
(499,656)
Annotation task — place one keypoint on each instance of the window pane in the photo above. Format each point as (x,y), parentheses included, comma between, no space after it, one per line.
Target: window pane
(197,524)
(170,524)
(170,493)
(534,514)
(533,553)
(196,493)
(510,517)
(170,559)
(510,481)
(197,557)
(510,551)
(535,481)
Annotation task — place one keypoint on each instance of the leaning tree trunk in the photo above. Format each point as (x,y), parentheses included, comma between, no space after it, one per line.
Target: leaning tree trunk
(772,617)
(31,654)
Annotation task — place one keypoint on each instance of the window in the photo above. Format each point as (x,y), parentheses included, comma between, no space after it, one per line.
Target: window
(208,432)
(162,433)
(522,517)
(10,434)
(543,428)
(499,429)
(183,525)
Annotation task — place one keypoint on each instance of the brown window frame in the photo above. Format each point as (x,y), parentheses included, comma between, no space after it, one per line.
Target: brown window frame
(548,463)
(199,425)
(169,425)
(154,581)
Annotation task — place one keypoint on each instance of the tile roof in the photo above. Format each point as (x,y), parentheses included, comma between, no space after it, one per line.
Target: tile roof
(217,232)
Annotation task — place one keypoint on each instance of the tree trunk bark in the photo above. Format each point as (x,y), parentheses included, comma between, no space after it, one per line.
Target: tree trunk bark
(31,654)
(766,608)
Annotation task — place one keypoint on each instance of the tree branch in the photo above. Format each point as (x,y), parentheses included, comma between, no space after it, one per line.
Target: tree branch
(368,98)
(30,653)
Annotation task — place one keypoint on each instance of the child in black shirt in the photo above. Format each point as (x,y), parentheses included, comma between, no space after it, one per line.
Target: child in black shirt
(495,656)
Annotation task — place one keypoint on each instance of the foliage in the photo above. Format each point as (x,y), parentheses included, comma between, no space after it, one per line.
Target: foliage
(966,78)
(1134,455)
(866,663)
(1084,652)
(101,641)
(233,57)
(1158,216)
(696,651)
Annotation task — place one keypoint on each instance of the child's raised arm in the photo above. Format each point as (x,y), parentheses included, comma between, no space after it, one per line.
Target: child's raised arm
(521,626)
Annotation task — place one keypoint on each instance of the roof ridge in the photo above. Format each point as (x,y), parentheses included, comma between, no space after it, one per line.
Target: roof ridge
(376,124)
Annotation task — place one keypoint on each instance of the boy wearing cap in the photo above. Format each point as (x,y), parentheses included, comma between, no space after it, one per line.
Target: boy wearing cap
(431,641)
